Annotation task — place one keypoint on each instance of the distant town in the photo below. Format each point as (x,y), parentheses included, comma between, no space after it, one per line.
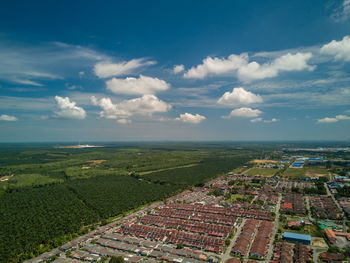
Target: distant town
(292,209)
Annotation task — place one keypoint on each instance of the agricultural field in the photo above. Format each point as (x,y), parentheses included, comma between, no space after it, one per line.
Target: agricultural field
(57,165)
(66,191)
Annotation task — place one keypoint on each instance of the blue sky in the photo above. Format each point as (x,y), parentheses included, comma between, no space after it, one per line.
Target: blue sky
(174,70)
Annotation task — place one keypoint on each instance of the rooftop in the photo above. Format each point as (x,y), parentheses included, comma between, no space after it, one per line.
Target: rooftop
(296,236)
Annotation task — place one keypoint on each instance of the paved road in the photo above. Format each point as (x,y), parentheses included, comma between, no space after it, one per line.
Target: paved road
(308,207)
(274,231)
(336,202)
(316,254)
(226,255)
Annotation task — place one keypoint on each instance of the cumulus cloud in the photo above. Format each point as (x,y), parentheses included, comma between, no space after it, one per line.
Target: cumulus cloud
(106,69)
(339,49)
(244,112)
(178,69)
(217,66)
(191,118)
(287,62)
(334,119)
(246,71)
(67,109)
(141,85)
(239,96)
(145,106)
(5,117)
(327,120)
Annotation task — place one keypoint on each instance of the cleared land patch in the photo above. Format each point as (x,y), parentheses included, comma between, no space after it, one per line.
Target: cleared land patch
(264,161)
(170,168)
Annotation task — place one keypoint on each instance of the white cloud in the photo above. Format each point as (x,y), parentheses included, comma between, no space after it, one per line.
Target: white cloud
(5,117)
(239,96)
(68,110)
(287,62)
(191,118)
(26,82)
(124,121)
(244,112)
(342,12)
(217,66)
(145,106)
(342,117)
(339,49)
(178,69)
(106,69)
(272,120)
(246,71)
(327,120)
(336,119)
(256,120)
(141,85)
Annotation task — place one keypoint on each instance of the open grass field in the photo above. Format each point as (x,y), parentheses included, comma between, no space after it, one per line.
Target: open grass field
(240,170)
(256,171)
(307,171)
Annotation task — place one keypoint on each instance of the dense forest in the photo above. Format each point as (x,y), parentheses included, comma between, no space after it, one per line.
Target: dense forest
(45,204)
(31,220)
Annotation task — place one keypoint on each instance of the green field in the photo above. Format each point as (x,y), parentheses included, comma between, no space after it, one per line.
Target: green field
(240,170)
(307,171)
(311,230)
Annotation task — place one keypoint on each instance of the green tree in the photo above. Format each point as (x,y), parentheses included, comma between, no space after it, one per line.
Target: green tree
(179,246)
(115,259)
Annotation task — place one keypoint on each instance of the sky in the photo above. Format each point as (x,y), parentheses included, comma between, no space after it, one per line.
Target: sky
(83,71)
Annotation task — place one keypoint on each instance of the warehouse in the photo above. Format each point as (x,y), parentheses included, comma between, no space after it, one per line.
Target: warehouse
(294,237)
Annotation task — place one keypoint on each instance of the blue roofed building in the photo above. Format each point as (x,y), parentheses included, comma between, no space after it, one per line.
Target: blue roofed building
(295,237)
(297,165)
